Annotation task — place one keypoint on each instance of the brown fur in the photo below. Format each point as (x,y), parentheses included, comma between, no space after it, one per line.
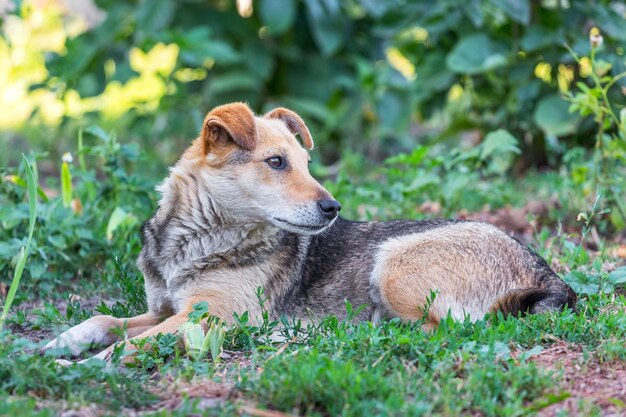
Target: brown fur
(234,122)
(294,123)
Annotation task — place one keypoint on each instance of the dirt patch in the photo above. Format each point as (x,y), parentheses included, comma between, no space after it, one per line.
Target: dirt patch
(586,379)
(206,392)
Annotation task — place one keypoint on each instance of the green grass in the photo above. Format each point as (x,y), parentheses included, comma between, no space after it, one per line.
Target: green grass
(342,369)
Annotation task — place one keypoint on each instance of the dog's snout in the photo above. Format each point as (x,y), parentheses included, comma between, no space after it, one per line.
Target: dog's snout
(329,208)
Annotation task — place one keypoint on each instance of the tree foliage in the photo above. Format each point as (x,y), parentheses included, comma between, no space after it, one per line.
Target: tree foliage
(357,70)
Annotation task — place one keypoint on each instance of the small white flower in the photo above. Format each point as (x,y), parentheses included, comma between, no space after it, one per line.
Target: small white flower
(595,37)
(67,158)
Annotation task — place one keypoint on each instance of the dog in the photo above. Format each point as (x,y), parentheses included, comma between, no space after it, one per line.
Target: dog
(240,211)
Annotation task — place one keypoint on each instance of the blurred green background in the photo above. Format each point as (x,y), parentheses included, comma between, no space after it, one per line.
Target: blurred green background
(370,77)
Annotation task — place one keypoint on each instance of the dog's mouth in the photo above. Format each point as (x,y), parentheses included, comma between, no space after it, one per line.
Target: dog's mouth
(312,228)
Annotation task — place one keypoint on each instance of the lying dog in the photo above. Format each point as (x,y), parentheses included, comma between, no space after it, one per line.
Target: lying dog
(240,211)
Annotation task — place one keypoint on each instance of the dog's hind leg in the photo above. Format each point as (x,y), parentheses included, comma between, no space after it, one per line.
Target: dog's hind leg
(403,281)
(101,330)
(474,269)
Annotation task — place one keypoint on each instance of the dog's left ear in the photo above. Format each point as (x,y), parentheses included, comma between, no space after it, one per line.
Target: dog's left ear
(294,123)
(230,122)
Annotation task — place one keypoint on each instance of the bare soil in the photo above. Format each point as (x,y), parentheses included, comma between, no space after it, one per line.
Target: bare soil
(586,379)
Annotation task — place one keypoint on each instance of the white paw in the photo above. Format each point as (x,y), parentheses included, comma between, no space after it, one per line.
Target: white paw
(80,338)
(68,341)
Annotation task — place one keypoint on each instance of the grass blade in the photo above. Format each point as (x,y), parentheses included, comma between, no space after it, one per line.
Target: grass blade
(31,185)
(66,184)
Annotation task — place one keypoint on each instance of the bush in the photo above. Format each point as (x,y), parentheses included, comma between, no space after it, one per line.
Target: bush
(368,76)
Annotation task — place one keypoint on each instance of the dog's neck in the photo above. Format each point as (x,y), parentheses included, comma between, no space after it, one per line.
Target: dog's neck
(190,226)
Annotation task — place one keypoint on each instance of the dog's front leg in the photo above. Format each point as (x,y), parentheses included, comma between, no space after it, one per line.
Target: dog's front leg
(172,324)
(169,325)
(102,330)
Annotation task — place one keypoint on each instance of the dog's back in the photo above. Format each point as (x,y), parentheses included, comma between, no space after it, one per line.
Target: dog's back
(392,267)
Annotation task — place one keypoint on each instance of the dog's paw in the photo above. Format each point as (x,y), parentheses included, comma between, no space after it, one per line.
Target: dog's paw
(80,338)
(65,343)
(63,362)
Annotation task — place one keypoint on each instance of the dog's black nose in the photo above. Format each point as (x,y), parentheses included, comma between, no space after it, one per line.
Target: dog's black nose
(329,208)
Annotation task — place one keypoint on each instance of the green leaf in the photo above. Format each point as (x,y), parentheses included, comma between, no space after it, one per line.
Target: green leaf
(376,8)
(474,12)
(553,117)
(233,81)
(81,152)
(394,109)
(534,351)
(98,132)
(6,250)
(499,142)
(414,158)
(36,268)
(118,218)
(518,10)
(196,45)
(277,15)
(66,184)
(215,339)
(200,311)
(618,276)
(32,200)
(327,24)
(258,59)
(476,54)
(155,15)
(538,36)
(499,147)
(194,338)
(221,52)
(308,108)
(581,283)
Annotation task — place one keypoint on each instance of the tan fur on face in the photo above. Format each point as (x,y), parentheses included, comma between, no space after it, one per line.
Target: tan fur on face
(295,183)
(273,135)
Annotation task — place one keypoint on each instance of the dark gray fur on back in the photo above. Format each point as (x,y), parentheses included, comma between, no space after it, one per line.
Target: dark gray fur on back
(338,265)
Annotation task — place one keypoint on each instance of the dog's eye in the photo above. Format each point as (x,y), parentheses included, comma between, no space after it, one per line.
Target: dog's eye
(276,162)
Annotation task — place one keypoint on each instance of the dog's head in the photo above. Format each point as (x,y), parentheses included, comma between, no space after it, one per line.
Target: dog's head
(257,171)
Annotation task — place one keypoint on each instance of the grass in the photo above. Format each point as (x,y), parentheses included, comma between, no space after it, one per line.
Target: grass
(31,185)
(495,367)
(461,368)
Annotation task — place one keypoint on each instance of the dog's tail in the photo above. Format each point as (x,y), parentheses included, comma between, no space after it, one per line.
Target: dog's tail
(535,300)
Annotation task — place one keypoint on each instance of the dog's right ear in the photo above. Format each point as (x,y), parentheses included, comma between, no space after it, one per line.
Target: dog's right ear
(229,122)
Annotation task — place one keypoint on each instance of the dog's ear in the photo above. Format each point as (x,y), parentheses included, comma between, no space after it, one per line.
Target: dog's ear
(230,122)
(294,123)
